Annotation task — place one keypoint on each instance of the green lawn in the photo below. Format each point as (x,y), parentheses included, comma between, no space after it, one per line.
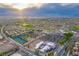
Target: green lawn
(75,28)
(27,26)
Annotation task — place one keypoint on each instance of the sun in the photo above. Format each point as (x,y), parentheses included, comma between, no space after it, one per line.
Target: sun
(21,6)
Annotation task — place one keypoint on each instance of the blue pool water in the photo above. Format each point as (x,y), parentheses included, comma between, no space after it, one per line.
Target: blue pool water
(19,40)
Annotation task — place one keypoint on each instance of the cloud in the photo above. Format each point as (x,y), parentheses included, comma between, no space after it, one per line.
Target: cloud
(65,4)
(51,9)
(48,9)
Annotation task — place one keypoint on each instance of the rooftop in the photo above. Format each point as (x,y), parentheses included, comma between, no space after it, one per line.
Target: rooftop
(6,45)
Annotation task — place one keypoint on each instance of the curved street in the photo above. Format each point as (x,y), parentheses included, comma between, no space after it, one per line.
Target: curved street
(26,51)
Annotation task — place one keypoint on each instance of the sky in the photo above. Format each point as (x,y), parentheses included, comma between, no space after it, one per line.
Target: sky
(46,10)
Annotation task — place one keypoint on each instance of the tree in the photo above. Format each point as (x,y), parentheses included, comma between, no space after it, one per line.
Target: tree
(51,53)
(37,51)
(67,37)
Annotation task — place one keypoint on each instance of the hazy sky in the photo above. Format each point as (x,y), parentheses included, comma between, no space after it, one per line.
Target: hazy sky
(50,9)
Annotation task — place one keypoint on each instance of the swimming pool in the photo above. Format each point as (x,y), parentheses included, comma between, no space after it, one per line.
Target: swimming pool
(19,40)
(23,38)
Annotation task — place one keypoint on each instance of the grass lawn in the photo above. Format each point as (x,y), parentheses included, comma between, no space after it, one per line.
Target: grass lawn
(75,28)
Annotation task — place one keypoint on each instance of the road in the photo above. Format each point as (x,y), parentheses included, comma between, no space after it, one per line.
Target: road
(22,48)
(62,50)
